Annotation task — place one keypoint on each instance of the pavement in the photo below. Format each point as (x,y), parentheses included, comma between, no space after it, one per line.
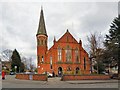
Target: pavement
(0,82)
(11,82)
(92,81)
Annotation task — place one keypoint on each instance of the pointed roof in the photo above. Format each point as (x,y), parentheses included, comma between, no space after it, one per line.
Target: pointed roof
(41,27)
(67,37)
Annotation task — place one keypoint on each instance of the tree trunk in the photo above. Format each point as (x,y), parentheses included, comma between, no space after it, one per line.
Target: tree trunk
(119,68)
(97,64)
(119,62)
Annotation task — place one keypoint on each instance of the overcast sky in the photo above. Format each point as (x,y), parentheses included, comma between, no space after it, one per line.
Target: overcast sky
(19,22)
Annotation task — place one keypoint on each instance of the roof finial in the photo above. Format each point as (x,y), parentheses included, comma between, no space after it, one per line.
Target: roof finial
(80,41)
(67,30)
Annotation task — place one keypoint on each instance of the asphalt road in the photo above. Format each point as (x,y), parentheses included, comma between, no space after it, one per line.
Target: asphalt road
(11,82)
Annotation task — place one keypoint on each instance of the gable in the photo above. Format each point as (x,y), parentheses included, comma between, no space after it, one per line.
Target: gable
(67,38)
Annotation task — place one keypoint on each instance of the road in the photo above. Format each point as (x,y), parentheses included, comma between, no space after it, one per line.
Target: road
(11,82)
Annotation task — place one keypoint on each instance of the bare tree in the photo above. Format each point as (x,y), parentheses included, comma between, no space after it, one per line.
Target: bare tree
(24,60)
(6,54)
(31,64)
(28,62)
(95,44)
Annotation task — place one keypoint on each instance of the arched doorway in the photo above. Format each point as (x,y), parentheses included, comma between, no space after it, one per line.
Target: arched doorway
(59,71)
(77,70)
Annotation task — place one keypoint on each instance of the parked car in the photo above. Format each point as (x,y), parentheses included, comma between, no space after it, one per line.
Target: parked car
(30,73)
(27,72)
(104,73)
(114,76)
(48,74)
(12,73)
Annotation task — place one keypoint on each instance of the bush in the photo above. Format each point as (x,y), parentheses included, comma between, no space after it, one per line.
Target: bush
(36,70)
(7,72)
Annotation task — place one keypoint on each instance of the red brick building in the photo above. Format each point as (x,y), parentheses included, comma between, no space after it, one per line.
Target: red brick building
(65,56)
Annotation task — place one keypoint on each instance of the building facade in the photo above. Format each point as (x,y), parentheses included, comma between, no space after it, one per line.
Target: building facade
(6,65)
(66,56)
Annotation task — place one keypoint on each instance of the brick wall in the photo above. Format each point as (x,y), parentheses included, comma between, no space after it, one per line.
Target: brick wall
(85,77)
(40,77)
(22,76)
(63,43)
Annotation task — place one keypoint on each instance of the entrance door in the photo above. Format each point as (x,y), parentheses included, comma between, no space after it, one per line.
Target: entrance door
(60,71)
(77,70)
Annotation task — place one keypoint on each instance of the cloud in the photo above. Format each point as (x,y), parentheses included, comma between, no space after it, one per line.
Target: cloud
(19,22)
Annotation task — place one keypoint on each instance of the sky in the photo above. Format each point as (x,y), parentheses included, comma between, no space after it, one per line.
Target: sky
(19,22)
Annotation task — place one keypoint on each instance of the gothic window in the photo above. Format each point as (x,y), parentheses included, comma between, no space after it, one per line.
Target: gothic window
(84,63)
(68,68)
(77,70)
(38,59)
(77,55)
(38,41)
(42,59)
(41,42)
(45,42)
(50,62)
(68,54)
(67,38)
(59,54)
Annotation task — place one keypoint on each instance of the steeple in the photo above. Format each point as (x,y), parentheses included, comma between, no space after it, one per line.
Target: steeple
(41,27)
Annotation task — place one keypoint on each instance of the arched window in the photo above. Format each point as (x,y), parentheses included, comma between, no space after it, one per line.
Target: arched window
(38,59)
(77,70)
(59,54)
(38,42)
(50,62)
(42,42)
(67,39)
(84,63)
(68,54)
(42,59)
(68,68)
(76,55)
(45,42)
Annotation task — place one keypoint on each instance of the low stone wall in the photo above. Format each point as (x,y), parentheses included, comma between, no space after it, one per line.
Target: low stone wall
(85,77)
(22,76)
(39,77)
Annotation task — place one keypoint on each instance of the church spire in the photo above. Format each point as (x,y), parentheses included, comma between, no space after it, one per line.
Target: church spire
(41,27)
